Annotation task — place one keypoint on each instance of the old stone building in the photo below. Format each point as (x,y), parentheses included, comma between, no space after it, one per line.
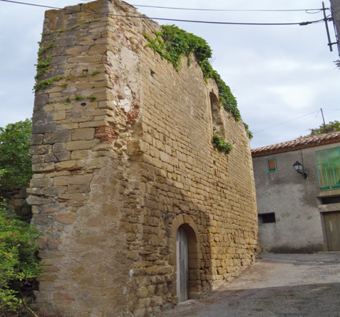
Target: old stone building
(137,207)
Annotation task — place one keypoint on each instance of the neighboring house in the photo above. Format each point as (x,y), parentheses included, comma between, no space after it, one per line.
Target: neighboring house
(299,212)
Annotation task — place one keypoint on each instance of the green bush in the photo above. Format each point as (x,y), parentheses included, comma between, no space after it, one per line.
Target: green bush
(221,145)
(19,264)
(15,160)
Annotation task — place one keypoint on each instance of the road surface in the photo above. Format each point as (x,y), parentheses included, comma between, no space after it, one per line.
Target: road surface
(277,285)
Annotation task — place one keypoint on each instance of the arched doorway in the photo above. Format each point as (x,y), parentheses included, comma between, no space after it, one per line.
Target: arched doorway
(182,265)
(186,258)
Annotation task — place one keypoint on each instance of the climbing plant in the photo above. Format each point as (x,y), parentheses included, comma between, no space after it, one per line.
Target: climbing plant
(221,145)
(44,63)
(173,43)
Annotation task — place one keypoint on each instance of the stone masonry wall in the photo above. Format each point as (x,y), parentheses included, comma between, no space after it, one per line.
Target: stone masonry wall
(122,156)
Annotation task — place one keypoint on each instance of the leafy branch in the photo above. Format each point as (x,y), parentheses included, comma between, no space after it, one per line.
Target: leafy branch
(221,145)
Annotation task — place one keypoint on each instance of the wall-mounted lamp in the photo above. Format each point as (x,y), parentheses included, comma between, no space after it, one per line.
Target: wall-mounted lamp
(299,168)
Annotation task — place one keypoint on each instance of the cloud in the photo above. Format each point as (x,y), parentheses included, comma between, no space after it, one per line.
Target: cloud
(277,73)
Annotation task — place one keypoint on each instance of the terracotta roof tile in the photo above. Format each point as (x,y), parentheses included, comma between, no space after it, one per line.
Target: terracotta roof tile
(297,144)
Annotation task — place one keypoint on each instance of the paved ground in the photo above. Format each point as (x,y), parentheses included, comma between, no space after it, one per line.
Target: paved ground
(277,285)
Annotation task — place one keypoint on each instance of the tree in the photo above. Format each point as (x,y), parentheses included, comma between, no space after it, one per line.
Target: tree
(15,160)
(19,265)
(330,126)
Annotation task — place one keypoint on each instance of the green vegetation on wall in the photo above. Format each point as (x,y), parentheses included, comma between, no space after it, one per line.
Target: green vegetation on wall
(221,145)
(173,44)
(44,64)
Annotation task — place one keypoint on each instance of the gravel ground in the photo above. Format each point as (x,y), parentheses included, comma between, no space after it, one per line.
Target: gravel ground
(277,285)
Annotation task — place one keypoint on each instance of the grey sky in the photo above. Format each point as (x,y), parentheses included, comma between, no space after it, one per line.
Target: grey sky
(277,73)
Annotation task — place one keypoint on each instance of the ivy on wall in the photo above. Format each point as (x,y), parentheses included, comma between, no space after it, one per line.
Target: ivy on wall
(173,43)
(44,64)
(221,145)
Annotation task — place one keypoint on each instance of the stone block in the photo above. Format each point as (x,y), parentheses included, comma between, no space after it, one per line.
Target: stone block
(81,145)
(36,139)
(40,150)
(44,127)
(50,208)
(142,292)
(63,298)
(72,180)
(65,217)
(43,167)
(94,124)
(40,182)
(62,156)
(83,134)
(85,59)
(57,137)
(57,115)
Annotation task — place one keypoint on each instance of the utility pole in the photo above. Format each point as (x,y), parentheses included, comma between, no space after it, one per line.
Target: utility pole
(327,29)
(335,9)
(323,118)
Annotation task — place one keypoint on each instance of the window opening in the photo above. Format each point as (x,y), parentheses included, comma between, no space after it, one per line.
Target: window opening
(267,218)
(330,200)
(328,168)
(271,164)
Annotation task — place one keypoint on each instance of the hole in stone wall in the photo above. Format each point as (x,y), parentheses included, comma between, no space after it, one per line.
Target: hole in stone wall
(217,121)
(152,73)
(83,103)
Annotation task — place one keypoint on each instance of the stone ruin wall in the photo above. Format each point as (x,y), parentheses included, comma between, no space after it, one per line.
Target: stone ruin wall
(116,173)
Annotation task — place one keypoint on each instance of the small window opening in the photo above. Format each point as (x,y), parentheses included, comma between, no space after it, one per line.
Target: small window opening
(330,200)
(267,218)
(271,165)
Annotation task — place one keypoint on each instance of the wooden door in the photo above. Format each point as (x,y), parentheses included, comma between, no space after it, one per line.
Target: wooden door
(332,228)
(182,271)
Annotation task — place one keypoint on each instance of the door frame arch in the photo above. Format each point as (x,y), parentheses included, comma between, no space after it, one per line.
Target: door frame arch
(194,254)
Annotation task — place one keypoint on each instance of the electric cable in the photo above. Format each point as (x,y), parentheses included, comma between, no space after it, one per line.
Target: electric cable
(182,20)
(286,122)
(310,11)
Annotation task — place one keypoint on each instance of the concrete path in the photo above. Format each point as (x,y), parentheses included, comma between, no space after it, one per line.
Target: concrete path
(277,285)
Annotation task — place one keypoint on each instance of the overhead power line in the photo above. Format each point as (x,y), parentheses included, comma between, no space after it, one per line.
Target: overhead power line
(31,4)
(274,126)
(181,20)
(226,10)
(312,11)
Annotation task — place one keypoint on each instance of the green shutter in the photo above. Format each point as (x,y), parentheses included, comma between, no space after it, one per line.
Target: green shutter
(328,168)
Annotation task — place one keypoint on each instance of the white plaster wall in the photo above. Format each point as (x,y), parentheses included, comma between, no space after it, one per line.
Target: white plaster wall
(298,226)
